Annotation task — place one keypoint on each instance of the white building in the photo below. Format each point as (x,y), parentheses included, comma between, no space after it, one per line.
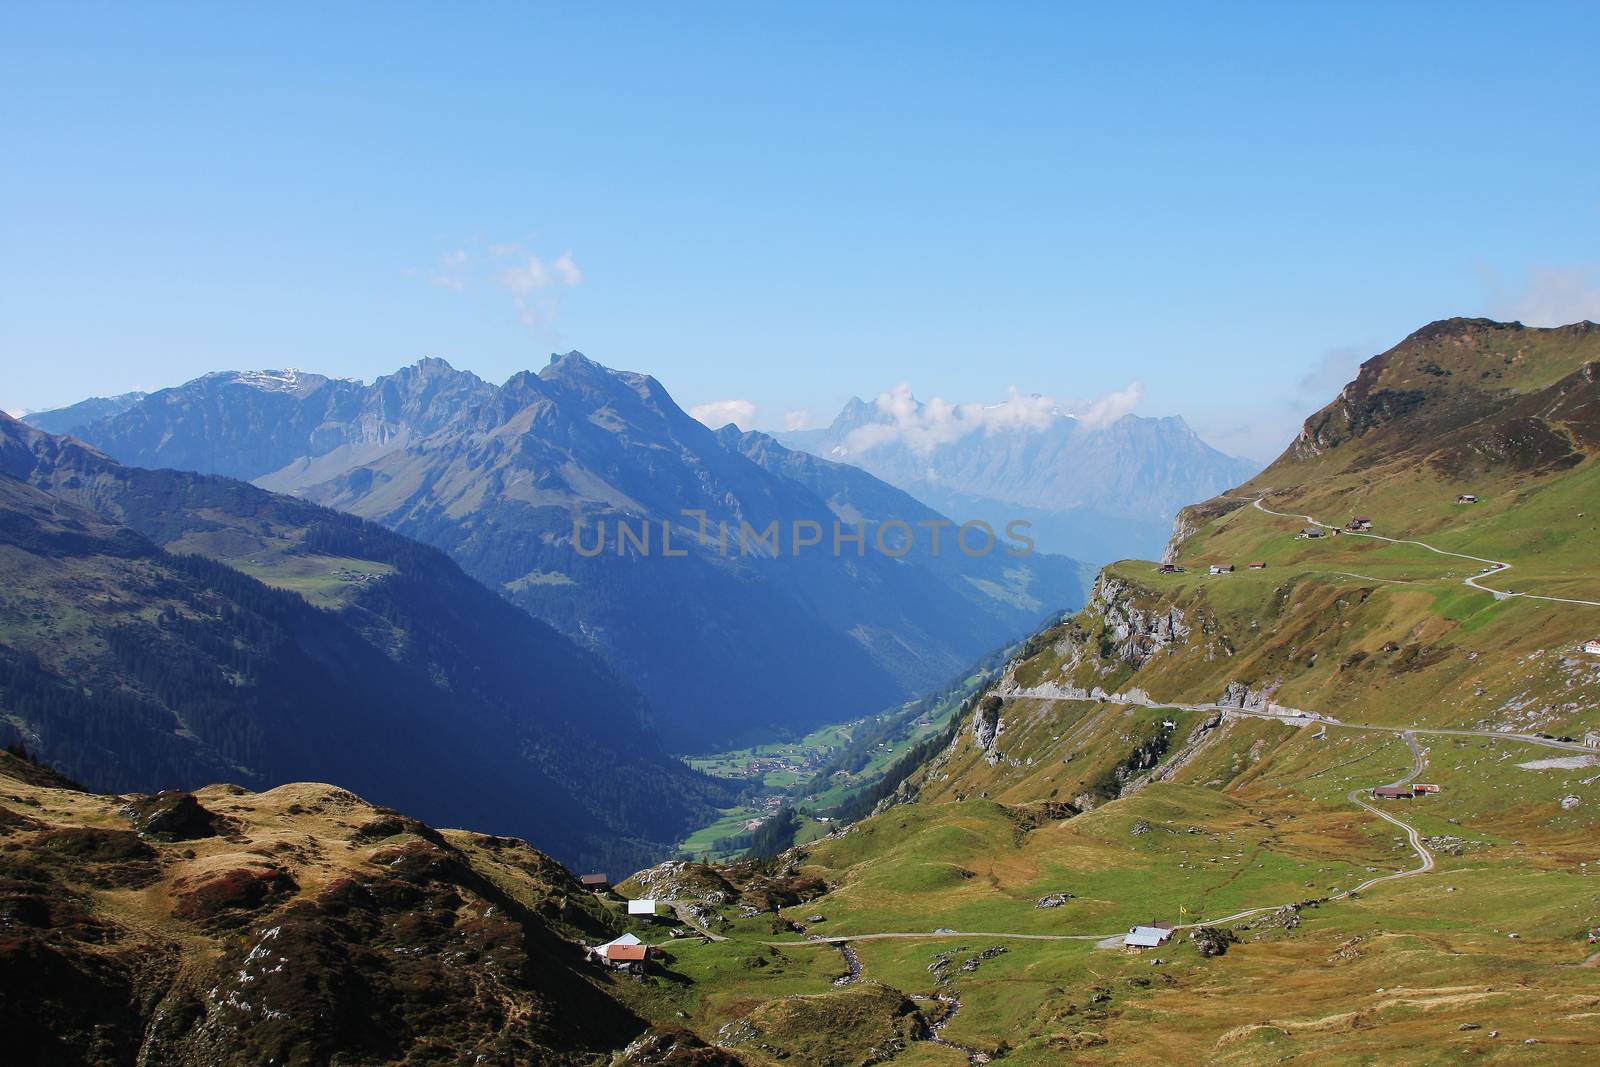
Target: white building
(644,906)
(1146,937)
(1592,647)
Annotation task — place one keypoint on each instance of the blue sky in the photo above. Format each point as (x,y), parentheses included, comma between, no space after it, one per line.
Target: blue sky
(785,205)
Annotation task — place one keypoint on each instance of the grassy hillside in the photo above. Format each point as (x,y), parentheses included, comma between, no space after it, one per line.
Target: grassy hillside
(1148,759)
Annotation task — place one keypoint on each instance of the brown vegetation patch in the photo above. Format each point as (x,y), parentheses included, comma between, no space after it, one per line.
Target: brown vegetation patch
(214,893)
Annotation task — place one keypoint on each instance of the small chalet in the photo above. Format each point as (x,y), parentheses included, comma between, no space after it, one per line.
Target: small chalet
(602,953)
(631,958)
(626,953)
(1222,568)
(1592,647)
(1360,522)
(1313,532)
(595,883)
(1466,498)
(1169,568)
(644,906)
(1147,937)
(1393,792)
(1591,739)
(1422,788)
(1258,565)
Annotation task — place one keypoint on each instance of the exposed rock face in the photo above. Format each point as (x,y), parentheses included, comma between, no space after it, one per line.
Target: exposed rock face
(986,726)
(675,1048)
(1240,695)
(1143,757)
(1135,634)
(682,880)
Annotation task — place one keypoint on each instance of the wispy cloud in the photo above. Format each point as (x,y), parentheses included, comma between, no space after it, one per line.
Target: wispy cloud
(534,284)
(1262,429)
(1556,297)
(1332,371)
(798,419)
(1546,296)
(718,413)
(452,271)
(924,426)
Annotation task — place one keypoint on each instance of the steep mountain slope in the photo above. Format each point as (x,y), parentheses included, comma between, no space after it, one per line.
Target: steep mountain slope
(729,644)
(1378,625)
(299,925)
(365,659)
(1201,749)
(1094,492)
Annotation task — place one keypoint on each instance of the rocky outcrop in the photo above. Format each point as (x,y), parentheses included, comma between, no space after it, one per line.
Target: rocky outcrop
(1240,695)
(681,880)
(1133,634)
(1210,941)
(986,726)
(171,816)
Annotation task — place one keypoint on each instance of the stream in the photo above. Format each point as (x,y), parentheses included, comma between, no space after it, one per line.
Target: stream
(936,1031)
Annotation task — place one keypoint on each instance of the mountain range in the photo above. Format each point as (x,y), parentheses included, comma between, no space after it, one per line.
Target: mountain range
(728,645)
(1207,747)
(1096,490)
(165,628)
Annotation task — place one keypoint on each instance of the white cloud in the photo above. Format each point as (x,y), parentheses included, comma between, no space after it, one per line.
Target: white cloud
(1111,407)
(718,413)
(532,281)
(797,419)
(1549,296)
(922,427)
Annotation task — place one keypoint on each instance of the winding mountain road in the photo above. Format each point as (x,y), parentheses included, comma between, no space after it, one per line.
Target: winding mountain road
(1425,857)
(1494,566)
(1420,847)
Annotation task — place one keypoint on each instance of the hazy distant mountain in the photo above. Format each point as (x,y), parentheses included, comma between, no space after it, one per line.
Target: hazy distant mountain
(281,428)
(1095,492)
(67,419)
(726,644)
(168,629)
